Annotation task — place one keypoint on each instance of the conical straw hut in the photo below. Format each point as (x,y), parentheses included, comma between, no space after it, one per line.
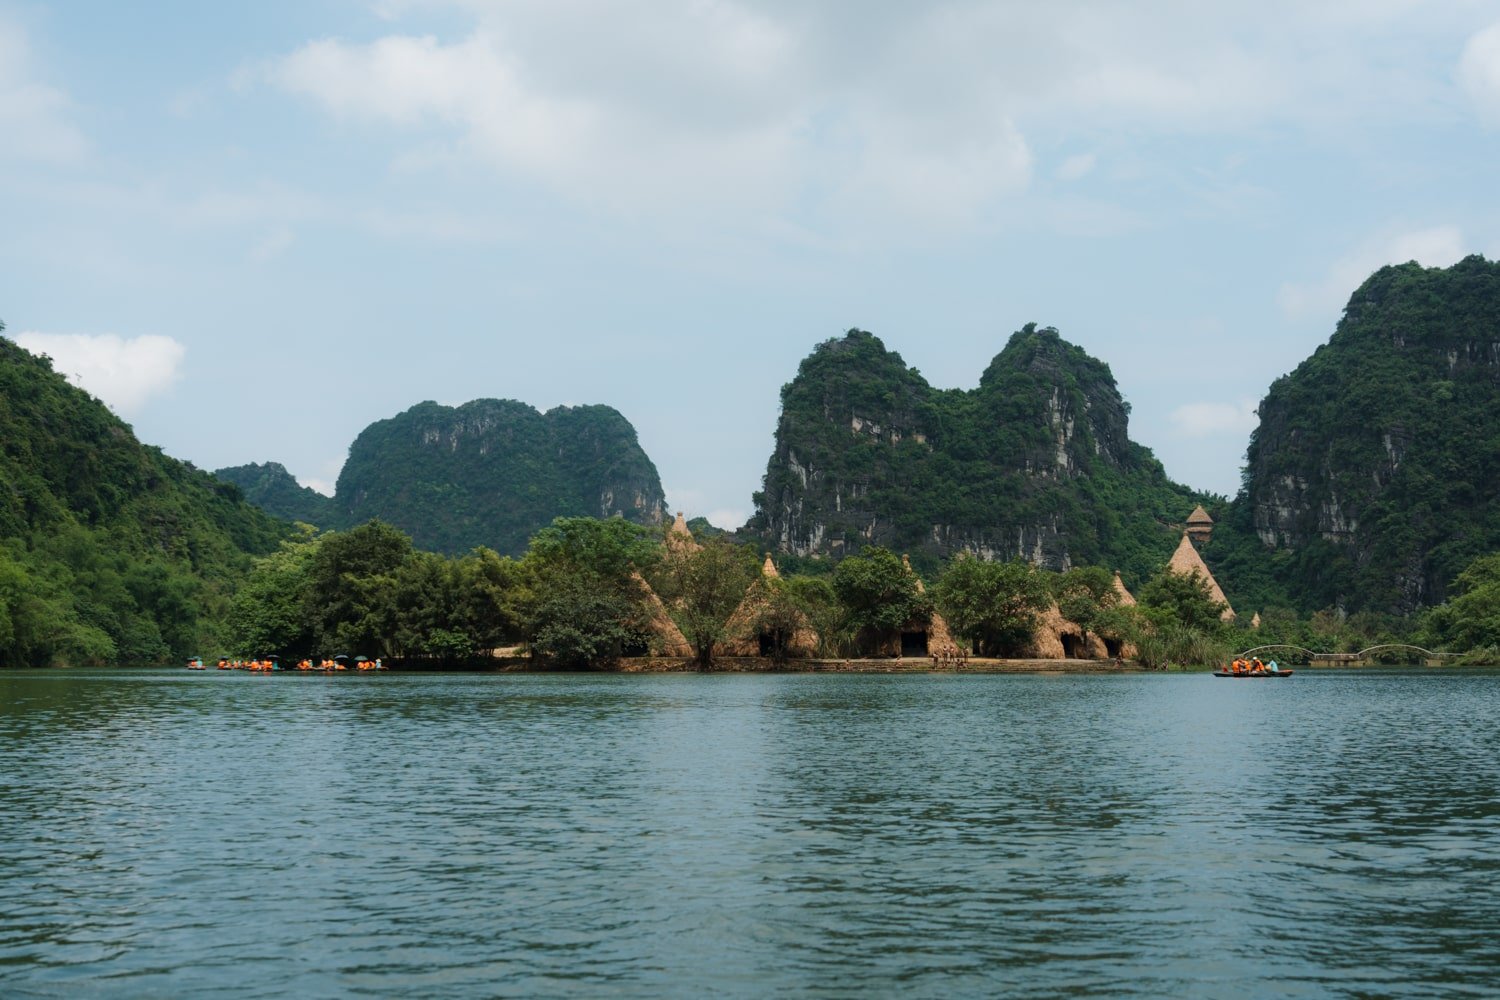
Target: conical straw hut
(679,537)
(742,633)
(666,638)
(918,638)
(1186,560)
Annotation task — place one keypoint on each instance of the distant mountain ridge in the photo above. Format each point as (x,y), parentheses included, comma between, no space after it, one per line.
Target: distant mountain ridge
(490,472)
(1035,463)
(272,488)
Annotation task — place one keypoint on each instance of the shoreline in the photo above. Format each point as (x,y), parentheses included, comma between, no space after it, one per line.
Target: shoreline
(765,665)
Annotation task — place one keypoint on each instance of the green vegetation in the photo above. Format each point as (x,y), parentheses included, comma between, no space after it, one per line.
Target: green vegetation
(275,491)
(110,552)
(493,472)
(879,595)
(1374,476)
(1469,622)
(1035,463)
(367,591)
(702,585)
(490,473)
(995,606)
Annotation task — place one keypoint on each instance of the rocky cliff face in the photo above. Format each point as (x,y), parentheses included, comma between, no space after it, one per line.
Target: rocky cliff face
(1375,471)
(1036,463)
(491,472)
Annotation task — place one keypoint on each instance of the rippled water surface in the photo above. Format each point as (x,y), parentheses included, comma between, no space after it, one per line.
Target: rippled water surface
(172,834)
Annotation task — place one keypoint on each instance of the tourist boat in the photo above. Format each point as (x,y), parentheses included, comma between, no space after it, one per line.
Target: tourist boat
(196,663)
(1253,673)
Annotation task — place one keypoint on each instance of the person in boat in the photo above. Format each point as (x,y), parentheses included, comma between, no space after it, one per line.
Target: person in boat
(1273,668)
(1257,667)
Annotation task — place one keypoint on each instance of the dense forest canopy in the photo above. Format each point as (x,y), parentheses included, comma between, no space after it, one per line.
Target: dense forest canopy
(1373,477)
(110,551)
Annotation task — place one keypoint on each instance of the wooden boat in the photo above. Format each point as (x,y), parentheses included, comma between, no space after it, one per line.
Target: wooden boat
(1260,673)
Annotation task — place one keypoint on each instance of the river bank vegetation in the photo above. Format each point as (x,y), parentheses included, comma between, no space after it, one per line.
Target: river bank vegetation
(588,592)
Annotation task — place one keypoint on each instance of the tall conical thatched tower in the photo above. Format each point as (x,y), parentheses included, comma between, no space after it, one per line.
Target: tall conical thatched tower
(1186,560)
(1200,527)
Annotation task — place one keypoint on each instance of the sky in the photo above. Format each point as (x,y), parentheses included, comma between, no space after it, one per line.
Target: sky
(255,228)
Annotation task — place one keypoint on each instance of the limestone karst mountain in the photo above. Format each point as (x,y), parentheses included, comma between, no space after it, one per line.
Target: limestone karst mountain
(1035,463)
(490,472)
(1374,475)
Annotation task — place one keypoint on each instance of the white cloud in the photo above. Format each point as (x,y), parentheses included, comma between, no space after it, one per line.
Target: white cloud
(125,374)
(1439,246)
(871,113)
(1479,73)
(728,518)
(1075,167)
(695,106)
(33,116)
(1205,419)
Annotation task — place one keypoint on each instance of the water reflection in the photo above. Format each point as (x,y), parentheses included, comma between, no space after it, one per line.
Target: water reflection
(932,835)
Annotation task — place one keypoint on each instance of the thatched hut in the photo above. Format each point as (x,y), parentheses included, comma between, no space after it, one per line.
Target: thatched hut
(745,634)
(1200,527)
(1186,560)
(917,638)
(666,639)
(1126,598)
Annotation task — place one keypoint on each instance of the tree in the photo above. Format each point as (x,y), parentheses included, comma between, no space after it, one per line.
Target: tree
(701,586)
(814,597)
(351,585)
(779,615)
(269,612)
(994,604)
(1183,598)
(879,593)
(1085,595)
(582,601)
(577,623)
(1470,619)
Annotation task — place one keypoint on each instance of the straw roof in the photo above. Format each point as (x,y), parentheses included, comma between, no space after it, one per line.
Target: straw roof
(742,637)
(1186,560)
(678,536)
(666,638)
(1199,516)
(939,635)
(1127,599)
(1047,640)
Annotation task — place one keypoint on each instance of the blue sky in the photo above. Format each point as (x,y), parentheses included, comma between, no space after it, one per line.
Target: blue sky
(255,228)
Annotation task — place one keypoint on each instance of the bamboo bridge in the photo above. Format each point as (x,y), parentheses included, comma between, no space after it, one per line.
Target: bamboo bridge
(1363,658)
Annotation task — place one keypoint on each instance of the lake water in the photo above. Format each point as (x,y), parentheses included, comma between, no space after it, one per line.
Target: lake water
(175,834)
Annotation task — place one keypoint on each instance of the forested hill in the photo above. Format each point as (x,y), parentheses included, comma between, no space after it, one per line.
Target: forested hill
(1374,475)
(275,490)
(1035,463)
(110,551)
(494,471)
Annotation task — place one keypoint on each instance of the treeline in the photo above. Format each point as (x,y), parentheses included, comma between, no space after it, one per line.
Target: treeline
(588,592)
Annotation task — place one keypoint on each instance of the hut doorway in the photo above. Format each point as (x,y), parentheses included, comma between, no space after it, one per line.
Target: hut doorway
(1114,647)
(913,643)
(1072,646)
(631,648)
(768,644)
